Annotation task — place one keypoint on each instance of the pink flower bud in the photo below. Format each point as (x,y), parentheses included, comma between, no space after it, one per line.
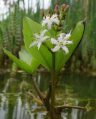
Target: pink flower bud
(56,9)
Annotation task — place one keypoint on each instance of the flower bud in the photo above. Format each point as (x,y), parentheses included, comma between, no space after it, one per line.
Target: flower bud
(66,8)
(63,7)
(56,9)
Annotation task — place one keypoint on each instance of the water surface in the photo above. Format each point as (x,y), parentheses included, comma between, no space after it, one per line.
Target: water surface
(72,90)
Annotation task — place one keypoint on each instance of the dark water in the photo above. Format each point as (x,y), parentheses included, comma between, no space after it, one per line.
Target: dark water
(72,90)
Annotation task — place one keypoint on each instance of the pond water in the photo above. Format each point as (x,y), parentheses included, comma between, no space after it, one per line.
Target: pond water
(72,90)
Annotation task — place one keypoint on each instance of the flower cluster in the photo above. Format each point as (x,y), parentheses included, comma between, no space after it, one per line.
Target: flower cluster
(48,21)
(59,42)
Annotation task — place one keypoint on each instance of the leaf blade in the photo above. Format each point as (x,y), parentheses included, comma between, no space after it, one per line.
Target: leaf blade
(23,65)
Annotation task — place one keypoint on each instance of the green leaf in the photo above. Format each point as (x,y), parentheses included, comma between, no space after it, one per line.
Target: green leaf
(43,55)
(25,56)
(23,63)
(61,57)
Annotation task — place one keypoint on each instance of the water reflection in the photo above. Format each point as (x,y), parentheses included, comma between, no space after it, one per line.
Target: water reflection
(72,90)
(3,107)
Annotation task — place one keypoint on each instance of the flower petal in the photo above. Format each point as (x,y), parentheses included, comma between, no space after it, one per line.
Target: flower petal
(65,49)
(45,20)
(68,35)
(69,42)
(56,48)
(54,41)
(50,20)
(55,19)
(45,37)
(61,37)
(49,25)
(33,44)
(39,44)
(36,36)
(43,32)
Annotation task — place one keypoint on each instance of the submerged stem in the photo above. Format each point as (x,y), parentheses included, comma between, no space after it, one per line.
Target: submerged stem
(53,78)
(40,94)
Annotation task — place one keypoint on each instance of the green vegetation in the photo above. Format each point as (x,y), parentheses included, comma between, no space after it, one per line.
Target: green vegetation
(19,34)
(51,57)
(11,36)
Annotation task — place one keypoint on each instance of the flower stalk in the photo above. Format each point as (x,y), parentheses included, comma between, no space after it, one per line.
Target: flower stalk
(53,78)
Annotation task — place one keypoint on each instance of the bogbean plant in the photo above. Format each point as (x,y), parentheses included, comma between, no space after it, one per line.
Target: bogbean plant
(48,45)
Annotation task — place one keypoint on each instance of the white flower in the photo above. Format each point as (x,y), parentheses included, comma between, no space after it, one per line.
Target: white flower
(61,42)
(39,39)
(50,20)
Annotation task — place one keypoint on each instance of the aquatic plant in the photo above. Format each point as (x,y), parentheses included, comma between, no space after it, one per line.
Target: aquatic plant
(48,45)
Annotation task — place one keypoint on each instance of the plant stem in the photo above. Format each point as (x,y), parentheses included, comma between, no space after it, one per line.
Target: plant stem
(40,94)
(53,78)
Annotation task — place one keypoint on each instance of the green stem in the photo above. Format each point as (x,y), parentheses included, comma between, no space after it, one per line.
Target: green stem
(53,78)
